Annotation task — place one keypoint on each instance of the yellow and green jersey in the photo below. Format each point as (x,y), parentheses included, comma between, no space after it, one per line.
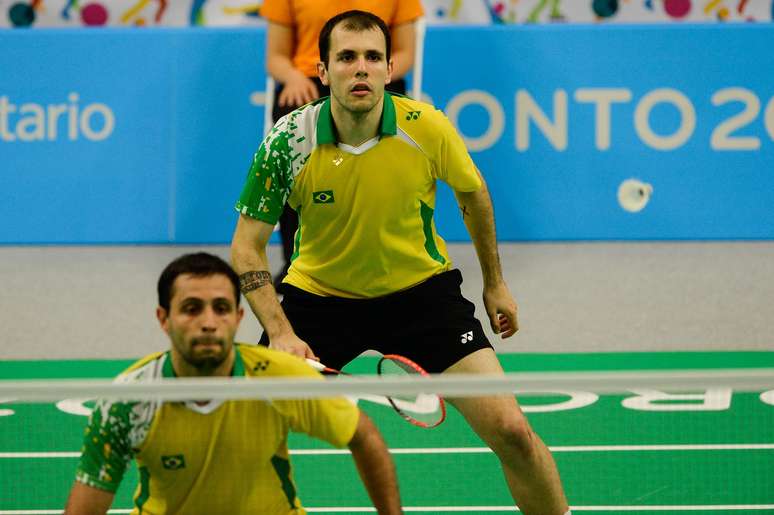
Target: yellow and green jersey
(365,213)
(214,457)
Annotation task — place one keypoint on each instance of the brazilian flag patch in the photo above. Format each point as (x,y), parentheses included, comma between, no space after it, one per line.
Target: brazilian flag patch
(323,197)
(174,462)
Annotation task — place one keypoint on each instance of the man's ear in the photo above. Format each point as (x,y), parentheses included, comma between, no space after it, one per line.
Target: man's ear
(322,73)
(163,317)
(390,65)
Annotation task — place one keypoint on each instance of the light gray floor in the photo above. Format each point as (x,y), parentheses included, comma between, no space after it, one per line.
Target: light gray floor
(99,302)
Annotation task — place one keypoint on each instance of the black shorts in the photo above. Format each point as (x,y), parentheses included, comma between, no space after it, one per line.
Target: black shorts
(431,324)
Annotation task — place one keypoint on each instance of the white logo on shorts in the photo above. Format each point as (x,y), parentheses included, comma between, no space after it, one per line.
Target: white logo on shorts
(466,337)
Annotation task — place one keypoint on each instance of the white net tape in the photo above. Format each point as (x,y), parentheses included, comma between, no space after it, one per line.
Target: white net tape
(449,385)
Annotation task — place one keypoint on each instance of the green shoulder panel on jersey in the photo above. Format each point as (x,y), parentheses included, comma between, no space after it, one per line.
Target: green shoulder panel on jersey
(115,429)
(280,158)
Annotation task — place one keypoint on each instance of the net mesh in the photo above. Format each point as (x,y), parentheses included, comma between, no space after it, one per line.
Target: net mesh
(679,441)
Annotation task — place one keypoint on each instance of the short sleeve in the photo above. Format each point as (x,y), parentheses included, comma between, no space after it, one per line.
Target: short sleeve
(277,11)
(269,179)
(455,166)
(333,420)
(106,453)
(407,10)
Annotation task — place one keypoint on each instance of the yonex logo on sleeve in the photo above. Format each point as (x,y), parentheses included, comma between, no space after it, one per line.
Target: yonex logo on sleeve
(174,462)
(261,366)
(323,197)
(413,115)
(467,337)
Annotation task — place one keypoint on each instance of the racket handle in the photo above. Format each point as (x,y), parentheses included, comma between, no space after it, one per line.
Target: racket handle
(315,364)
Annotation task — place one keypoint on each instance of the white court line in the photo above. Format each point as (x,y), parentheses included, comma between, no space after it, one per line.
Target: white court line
(479,450)
(508,509)
(49,512)
(512,509)
(40,454)
(665,447)
(678,507)
(565,448)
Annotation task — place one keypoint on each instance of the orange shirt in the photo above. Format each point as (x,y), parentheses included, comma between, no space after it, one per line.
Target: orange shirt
(307,17)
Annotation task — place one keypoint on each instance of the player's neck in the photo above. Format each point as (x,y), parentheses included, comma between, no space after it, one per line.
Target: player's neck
(356,128)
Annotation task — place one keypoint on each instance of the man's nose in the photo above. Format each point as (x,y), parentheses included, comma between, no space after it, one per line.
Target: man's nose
(209,320)
(361,66)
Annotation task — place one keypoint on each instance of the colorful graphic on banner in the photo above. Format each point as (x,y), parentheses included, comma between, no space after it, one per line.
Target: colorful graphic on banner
(92,14)
(23,14)
(121,13)
(596,11)
(134,15)
(555,13)
(180,13)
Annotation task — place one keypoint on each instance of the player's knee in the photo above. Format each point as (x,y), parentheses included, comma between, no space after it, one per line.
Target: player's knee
(511,434)
(513,438)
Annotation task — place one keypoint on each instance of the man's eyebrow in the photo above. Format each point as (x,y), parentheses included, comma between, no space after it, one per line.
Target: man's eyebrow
(369,52)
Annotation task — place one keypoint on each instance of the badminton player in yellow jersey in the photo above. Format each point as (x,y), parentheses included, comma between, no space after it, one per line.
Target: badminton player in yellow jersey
(369,270)
(216,457)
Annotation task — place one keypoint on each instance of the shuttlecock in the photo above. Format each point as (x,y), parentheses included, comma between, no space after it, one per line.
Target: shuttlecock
(633,195)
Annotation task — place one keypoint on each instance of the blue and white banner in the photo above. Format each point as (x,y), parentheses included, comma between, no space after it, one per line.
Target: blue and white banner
(124,136)
(559,118)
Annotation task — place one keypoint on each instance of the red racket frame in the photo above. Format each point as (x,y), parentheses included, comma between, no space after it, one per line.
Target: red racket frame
(395,357)
(421,371)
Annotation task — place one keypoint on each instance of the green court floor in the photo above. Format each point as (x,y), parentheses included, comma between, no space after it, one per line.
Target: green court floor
(639,452)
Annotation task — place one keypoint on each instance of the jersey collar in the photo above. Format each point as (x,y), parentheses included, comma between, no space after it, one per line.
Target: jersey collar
(327,134)
(168,371)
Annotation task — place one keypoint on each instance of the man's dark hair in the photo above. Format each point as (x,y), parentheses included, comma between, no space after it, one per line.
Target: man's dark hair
(199,264)
(356,21)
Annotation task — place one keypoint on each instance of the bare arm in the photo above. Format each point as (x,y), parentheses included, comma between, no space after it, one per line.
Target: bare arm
(478,215)
(88,500)
(298,89)
(248,256)
(403,41)
(375,466)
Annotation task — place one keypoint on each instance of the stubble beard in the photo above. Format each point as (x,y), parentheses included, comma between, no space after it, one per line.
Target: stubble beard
(209,361)
(358,109)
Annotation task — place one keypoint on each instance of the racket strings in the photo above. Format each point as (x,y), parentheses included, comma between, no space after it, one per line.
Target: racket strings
(423,409)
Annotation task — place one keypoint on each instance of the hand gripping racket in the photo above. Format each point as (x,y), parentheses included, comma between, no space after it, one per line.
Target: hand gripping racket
(424,410)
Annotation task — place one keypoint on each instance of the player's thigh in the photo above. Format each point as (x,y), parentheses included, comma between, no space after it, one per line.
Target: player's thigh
(436,326)
(483,361)
(493,417)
